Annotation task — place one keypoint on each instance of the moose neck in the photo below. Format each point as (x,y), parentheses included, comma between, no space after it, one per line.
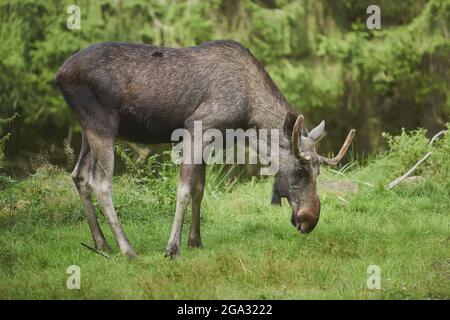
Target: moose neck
(268,106)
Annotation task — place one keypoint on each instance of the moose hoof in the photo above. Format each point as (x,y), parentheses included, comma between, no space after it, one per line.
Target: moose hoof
(103,246)
(195,243)
(131,255)
(129,252)
(172,252)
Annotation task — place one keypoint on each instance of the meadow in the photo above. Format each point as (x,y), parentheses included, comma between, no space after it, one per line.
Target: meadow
(250,248)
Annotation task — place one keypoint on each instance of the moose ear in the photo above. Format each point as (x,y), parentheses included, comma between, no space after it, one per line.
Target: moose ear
(317,133)
(289,122)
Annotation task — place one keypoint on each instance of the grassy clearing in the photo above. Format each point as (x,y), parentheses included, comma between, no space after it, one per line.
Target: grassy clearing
(251,250)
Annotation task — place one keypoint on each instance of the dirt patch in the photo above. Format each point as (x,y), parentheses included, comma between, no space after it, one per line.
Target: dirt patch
(339,186)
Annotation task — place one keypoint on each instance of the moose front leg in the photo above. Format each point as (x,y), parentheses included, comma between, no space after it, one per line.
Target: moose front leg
(184,194)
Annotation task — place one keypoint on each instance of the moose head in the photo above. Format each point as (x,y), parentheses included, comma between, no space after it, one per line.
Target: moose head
(296,179)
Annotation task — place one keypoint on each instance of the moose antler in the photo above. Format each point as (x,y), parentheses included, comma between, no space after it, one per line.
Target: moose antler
(334,161)
(296,135)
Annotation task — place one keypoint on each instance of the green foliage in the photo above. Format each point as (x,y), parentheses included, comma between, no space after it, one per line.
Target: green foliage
(408,147)
(162,174)
(2,152)
(156,174)
(3,138)
(221,178)
(393,59)
(319,52)
(39,42)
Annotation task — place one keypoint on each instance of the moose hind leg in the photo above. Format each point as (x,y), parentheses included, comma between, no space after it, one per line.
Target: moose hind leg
(194,240)
(102,162)
(184,194)
(80,176)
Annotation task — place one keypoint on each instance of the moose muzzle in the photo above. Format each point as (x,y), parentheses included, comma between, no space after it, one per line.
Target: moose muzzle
(306,217)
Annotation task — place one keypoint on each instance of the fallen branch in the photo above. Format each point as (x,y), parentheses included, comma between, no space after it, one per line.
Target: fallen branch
(95,250)
(407,174)
(437,135)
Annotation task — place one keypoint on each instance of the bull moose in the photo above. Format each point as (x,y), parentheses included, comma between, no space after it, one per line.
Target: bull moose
(142,93)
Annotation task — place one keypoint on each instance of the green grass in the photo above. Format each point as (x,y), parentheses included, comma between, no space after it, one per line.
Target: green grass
(251,250)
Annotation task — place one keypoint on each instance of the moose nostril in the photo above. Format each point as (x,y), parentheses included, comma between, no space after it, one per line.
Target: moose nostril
(304,228)
(306,220)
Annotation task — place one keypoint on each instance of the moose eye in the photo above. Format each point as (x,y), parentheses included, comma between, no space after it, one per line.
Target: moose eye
(301,172)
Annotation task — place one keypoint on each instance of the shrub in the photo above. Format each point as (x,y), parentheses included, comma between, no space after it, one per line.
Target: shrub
(3,139)
(408,147)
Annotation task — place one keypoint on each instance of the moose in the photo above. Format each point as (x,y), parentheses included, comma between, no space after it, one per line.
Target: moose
(142,93)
